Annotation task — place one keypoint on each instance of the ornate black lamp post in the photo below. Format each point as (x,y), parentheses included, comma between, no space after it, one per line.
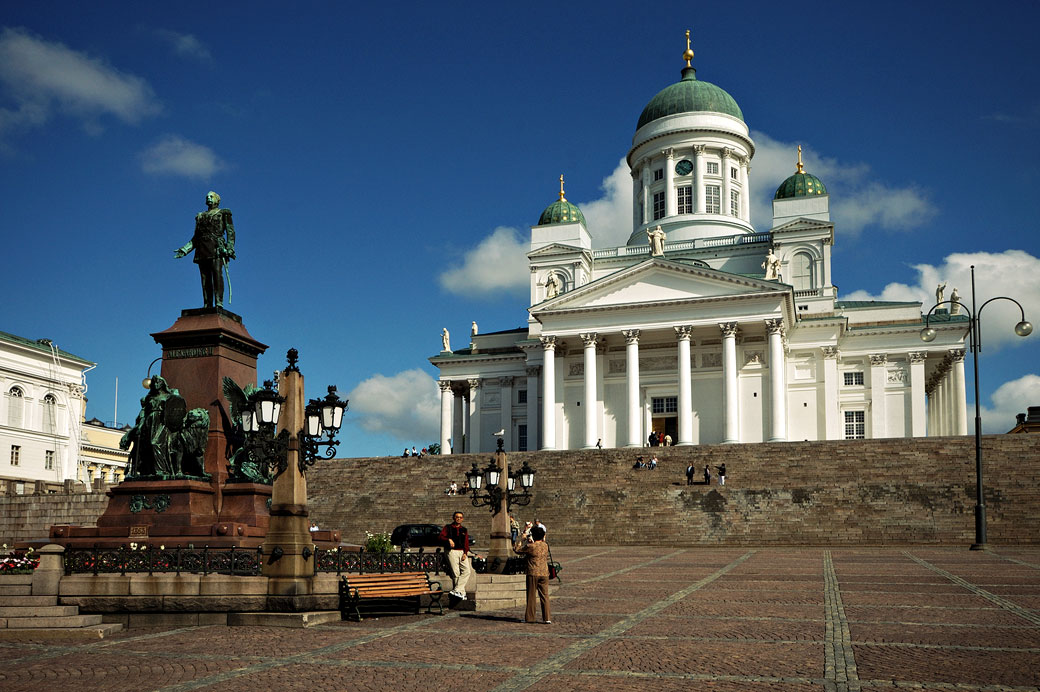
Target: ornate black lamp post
(324,417)
(1023,328)
(499,493)
(488,480)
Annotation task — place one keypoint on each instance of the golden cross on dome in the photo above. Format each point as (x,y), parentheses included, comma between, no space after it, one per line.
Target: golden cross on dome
(688,55)
(801,169)
(562,199)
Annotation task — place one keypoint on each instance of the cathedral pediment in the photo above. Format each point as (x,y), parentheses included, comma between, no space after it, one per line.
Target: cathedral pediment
(659,281)
(553,250)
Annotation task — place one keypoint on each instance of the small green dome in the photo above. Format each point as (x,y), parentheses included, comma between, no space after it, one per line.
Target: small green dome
(800,185)
(689,95)
(561,211)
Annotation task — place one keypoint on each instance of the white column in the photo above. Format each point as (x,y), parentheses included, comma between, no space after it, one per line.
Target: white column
(467,406)
(457,432)
(549,393)
(957,394)
(745,183)
(671,207)
(532,406)
(832,422)
(445,386)
(727,182)
(730,402)
(777,383)
(635,427)
(591,433)
(918,406)
(646,193)
(637,190)
(506,385)
(940,409)
(878,404)
(682,334)
(698,179)
(474,442)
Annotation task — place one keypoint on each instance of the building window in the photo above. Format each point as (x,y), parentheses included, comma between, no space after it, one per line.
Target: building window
(713,167)
(854,379)
(16,454)
(664,404)
(50,414)
(734,203)
(733,173)
(855,425)
(658,205)
(802,272)
(48,460)
(685,199)
(521,437)
(658,174)
(712,199)
(521,396)
(15,403)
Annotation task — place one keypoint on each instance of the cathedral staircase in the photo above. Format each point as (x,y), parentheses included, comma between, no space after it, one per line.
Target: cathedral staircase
(24,616)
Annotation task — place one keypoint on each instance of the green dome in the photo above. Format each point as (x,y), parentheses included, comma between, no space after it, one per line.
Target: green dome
(561,211)
(689,95)
(800,184)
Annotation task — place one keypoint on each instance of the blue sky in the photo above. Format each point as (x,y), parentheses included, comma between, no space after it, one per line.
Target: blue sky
(385,162)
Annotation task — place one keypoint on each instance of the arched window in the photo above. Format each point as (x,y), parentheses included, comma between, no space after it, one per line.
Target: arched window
(15,405)
(50,414)
(802,272)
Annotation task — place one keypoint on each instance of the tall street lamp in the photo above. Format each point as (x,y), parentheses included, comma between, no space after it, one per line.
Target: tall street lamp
(499,493)
(1023,328)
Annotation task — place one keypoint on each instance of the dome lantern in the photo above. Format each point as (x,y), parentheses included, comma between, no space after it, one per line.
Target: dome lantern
(561,211)
(800,183)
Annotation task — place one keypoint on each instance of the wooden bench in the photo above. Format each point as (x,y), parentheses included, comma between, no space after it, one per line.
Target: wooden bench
(399,587)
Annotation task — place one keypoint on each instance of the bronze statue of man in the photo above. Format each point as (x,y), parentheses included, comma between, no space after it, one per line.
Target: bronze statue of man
(212,251)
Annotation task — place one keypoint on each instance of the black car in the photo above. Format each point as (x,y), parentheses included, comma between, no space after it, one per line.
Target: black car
(417,536)
(420,536)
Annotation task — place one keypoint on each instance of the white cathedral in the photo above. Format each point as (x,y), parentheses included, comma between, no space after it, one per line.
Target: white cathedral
(699,328)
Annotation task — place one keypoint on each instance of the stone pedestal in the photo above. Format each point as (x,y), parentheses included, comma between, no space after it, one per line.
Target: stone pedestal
(199,350)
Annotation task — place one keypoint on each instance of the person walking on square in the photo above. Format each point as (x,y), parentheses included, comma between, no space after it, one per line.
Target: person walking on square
(456,538)
(536,551)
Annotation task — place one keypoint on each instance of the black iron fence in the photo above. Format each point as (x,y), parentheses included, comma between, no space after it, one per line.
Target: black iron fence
(152,559)
(359,562)
(238,561)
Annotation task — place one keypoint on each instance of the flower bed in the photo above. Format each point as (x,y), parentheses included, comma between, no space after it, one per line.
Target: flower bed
(18,562)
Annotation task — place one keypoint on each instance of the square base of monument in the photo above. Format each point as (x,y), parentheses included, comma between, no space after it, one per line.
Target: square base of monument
(159,503)
(248,503)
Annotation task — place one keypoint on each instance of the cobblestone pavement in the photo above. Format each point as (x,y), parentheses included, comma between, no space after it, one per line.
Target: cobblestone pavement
(642,619)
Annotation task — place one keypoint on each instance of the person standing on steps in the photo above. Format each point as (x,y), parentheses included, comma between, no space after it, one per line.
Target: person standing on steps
(722,474)
(456,538)
(536,551)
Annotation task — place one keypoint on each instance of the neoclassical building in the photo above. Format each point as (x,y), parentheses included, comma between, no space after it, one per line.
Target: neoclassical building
(700,327)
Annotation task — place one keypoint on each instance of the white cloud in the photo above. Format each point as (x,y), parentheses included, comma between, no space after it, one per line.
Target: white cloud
(405,405)
(177,156)
(42,76)
(856,200)
(1008,401)
(498,263)
(1010,273)
(185,45)
(609,218)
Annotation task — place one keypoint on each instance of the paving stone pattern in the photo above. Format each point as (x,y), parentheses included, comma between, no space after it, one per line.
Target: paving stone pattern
(628,618)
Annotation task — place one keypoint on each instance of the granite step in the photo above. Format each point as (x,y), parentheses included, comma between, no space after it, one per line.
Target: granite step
(24,600)
(50,621)
(15,589)
(92,632)
(14,611)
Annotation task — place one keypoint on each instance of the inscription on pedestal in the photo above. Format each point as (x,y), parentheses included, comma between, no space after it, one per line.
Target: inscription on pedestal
(196,352)
(138,532)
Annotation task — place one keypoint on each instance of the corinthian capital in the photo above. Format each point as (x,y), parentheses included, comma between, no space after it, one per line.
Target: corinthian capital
(878,359)
(445,385)
(683,332)
(589,338)
(548,342)
(728,328)
(775,326)
(631,336)
(957,355)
